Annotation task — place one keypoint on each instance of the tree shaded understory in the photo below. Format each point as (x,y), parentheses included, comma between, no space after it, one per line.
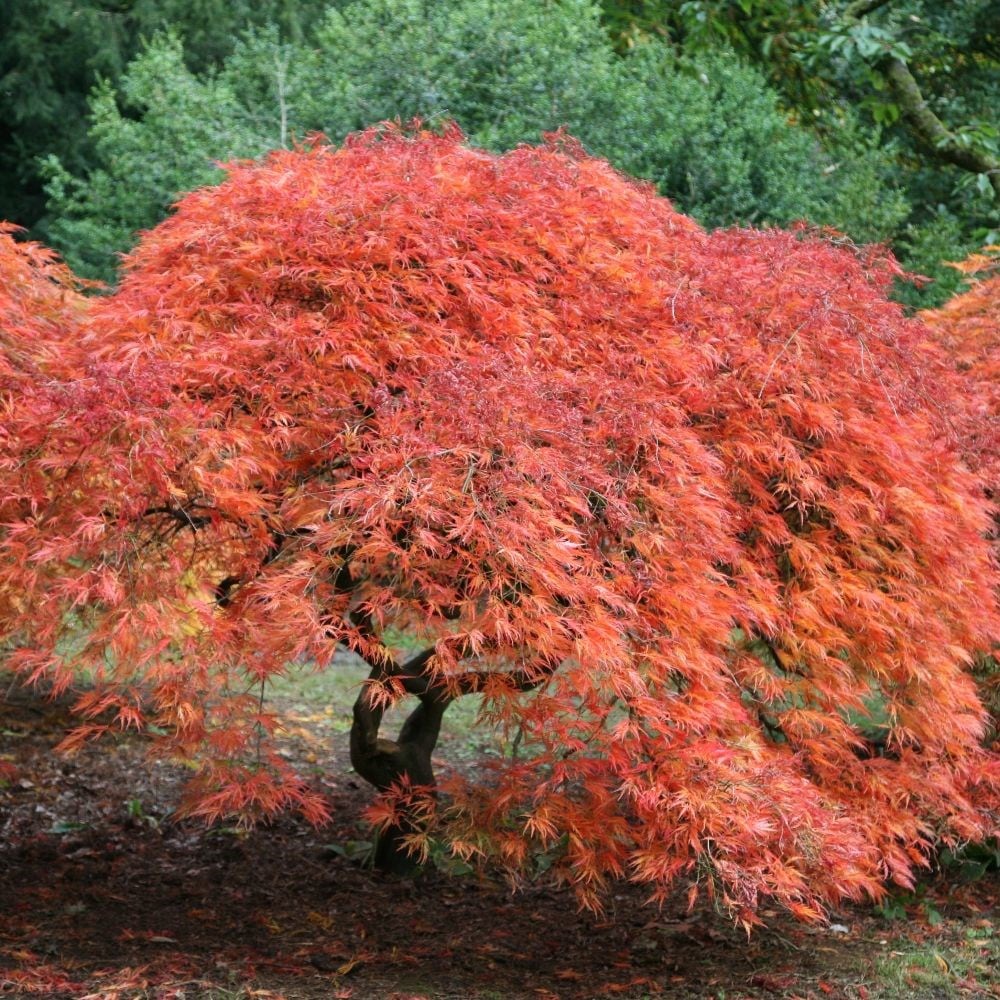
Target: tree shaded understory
(99,894)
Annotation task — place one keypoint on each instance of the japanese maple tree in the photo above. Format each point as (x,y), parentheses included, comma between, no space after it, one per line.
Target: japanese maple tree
(673,502)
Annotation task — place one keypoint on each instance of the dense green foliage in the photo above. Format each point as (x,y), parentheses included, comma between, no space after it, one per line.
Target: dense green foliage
(708,132)
(53,52)
(711,135)
(833,60)
(742,111)
(175,126)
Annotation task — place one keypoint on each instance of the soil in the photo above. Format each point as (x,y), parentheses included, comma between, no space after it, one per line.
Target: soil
(103,896)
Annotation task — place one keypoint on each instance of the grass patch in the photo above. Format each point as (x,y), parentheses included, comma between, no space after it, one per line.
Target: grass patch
(968,963)
(325,699)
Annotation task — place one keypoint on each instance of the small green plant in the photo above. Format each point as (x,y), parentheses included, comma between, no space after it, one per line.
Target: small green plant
(442,858)
(900,905)
(358,851)
(972,862)
(137,812)
(63,827)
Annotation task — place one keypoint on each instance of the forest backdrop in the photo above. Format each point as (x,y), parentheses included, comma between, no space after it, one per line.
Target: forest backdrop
(873,117)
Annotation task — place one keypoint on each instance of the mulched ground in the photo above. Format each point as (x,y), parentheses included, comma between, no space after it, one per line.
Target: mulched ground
(103,897)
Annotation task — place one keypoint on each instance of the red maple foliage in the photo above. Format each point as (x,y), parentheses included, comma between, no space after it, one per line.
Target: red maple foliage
(40,306)
(671,501)
(967,329)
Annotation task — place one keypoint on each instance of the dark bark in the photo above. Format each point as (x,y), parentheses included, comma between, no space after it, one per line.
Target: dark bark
(931,131)
(386,763)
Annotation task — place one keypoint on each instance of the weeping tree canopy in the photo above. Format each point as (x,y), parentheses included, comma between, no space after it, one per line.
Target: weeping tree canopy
(670,501)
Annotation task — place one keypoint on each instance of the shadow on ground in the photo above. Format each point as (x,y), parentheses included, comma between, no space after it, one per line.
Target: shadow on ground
(101,896)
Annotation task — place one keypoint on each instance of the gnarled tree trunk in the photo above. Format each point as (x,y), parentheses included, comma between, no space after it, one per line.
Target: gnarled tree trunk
(385,763)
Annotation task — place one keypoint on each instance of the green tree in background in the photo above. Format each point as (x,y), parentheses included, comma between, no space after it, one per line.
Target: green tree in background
(707,131)
(502,70)
(53,52)
(742,111)
(154,138)
(710,134)
(921,76)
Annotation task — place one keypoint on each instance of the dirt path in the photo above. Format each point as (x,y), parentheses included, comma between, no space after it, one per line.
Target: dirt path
(101,896)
